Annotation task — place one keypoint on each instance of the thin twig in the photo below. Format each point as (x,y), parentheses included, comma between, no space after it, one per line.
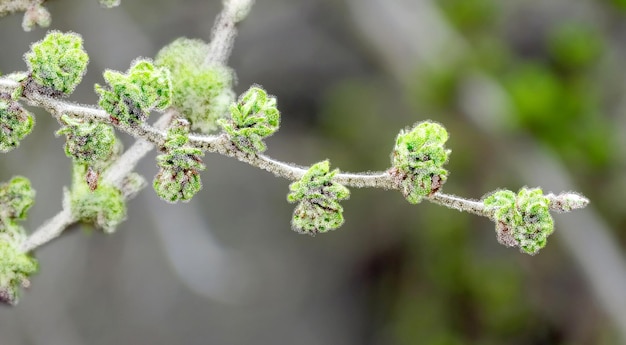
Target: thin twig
(52,228)
(225,31)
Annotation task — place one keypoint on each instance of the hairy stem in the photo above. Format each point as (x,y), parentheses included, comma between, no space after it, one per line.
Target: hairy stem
(52,228)
(222,145)
(225,30)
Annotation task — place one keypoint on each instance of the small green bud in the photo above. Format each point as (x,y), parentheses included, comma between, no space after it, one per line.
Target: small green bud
(201,93)
(35,15)
(100,204)
(318,210)
(16,197)
(179,178)
(15,123)
(253,118)
(131,96)
(57,63)
(16,268)
(87,141)
(522,220)
(418,158)
(110,3)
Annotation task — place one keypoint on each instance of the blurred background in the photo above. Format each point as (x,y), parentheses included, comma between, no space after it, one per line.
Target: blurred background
(530,92)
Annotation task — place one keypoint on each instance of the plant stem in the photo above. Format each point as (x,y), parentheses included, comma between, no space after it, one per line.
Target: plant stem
(52,228)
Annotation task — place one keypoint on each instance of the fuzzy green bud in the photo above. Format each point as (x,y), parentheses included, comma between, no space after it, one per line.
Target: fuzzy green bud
(57,63)
(253,118)
(15,269)
(15,123)
(522,220)
(87,142)
(35,15)
(318,210)
(178,178)
(110,3)
(100,204)
(418,158)
(130,97)
(16,197)
(201,93)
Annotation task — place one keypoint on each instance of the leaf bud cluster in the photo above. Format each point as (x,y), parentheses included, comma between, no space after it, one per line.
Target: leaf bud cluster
(253,118)
(57,63)
(16,267)
(522,220)
(418,158)
(15,123)
(100,204)
(318,210)
(87,142)
(178,178)
(201,93)
(131,96)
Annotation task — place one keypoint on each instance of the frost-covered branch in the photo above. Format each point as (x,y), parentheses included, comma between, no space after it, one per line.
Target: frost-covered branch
(189,83)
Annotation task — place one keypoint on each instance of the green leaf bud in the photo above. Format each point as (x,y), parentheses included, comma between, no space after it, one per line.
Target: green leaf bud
(418,158)
(318,210)
(16,197)
(201,93)
(130,97)
(18,77)
(178,178)
(15,123)
(522,220)
(253,118)
(104,206)
(57,63)
(110,3)
(16,268)
(87,142)
(35,15)
(173,185)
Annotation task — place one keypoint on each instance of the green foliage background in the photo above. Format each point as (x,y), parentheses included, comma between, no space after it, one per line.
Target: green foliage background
(395,273)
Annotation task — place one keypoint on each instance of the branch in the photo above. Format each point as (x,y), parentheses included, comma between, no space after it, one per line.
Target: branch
(220,47)
(412,180)
(225,30)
